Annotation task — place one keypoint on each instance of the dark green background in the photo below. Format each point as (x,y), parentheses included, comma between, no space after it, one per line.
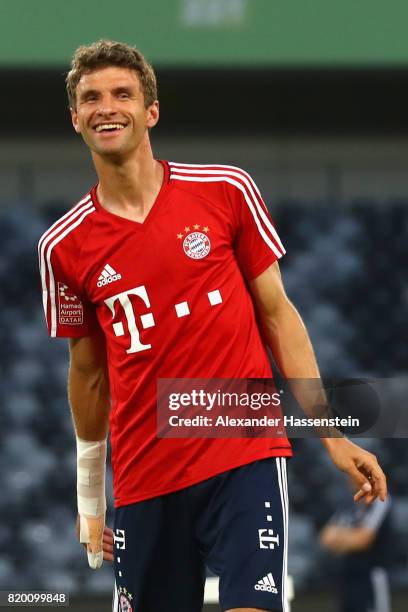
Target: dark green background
(262,32)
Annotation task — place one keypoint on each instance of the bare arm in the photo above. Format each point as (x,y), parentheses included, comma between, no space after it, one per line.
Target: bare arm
(283,326)
(344,540)
(88,387)
(88,393)
(292,350)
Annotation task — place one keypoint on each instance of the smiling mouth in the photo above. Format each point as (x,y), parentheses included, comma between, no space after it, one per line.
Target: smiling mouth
(109,127)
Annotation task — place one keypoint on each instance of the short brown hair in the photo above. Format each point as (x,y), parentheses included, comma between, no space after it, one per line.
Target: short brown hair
(104,53)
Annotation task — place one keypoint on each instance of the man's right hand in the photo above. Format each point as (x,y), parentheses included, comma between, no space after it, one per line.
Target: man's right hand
(100,540)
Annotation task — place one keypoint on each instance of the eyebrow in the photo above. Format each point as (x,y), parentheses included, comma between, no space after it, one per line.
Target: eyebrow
(94,92)
(123,89)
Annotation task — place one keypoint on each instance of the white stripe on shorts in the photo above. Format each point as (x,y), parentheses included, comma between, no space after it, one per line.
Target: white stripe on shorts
(283,490)
(382,597)
(115,601)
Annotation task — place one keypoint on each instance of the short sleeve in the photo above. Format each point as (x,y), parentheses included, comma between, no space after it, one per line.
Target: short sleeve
(257,244)
(375,514)
(67,311)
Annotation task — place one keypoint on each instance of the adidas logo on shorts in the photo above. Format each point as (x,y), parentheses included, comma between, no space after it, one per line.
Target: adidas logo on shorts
(267,583)
(108,276)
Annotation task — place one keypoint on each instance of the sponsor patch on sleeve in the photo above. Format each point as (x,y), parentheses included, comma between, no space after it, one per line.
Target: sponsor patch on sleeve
(70,308)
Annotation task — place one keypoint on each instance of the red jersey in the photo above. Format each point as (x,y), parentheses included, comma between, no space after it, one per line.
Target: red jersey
(171,297)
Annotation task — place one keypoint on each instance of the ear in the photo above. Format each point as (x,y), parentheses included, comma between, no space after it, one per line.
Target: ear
(74,119)
(153,114)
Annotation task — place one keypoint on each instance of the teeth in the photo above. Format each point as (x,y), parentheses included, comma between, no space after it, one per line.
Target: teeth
(109,126)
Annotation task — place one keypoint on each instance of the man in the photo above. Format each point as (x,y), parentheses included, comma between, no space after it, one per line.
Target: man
(362,537)
(156,273)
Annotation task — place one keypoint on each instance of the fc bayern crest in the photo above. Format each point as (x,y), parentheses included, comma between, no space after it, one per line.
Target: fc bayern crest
(125,604)
(124,599)
(196,245)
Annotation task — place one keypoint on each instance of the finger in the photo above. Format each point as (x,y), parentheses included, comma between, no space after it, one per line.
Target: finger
(108,557)
(95,548)
(358,478)
(107,546)
(378,490)
(376,476)
(364,491)
(95,558)
(367,498)
(108,535)
(380,483)
(375,494)
(91,530)
(107,538)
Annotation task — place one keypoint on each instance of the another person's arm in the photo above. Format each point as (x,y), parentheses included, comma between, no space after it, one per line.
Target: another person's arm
(292,350)
(345,539)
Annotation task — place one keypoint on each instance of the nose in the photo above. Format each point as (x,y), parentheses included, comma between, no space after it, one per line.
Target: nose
(106,106)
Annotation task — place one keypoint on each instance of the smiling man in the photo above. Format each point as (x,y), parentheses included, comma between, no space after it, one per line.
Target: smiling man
(158,273)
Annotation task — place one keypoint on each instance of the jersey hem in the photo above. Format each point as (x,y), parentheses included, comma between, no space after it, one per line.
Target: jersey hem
(67,335)
(274,452)
(262,265)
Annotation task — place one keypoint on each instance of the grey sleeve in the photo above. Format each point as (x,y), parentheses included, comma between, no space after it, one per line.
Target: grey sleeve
(375,514)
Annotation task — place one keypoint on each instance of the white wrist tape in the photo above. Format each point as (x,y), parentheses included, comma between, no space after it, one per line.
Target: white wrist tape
(91,470)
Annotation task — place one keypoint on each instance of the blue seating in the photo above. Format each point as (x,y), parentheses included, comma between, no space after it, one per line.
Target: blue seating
(345,270)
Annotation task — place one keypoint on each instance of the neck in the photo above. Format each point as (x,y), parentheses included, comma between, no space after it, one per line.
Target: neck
(129,186)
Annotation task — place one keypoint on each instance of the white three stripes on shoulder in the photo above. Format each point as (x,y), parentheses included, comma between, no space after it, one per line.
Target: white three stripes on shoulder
(60,224)
(218,169)
(184,172)
(85,200)
(50,238)
(223,167)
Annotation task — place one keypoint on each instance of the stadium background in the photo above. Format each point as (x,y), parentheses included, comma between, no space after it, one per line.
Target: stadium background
(311,98)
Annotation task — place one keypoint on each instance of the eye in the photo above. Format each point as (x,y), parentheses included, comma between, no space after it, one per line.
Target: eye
(123,95)
(90,98)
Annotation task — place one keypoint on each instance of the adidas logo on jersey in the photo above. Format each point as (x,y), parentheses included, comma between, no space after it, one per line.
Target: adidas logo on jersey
(267,583)
(108,276)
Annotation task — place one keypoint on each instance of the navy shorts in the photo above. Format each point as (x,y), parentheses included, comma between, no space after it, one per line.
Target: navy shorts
(235,523)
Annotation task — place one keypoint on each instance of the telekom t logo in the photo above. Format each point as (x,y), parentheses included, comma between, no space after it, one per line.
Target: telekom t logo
(147,320)
(181,310)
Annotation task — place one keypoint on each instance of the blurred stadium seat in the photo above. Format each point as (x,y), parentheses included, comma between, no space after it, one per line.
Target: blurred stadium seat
(329,255)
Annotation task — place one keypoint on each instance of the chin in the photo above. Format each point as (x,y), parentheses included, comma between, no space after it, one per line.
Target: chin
(108,150)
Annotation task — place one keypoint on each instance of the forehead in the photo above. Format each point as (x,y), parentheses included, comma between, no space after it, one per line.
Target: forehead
(109,77)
